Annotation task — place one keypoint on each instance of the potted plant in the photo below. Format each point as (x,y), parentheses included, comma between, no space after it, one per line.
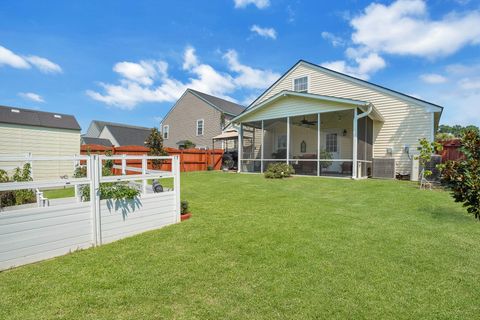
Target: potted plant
(185,210)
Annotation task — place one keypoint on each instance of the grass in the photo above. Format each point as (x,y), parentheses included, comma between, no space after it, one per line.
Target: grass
(301,248)
(59,193)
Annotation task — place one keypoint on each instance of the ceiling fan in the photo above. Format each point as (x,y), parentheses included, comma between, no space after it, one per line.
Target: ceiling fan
(304,121)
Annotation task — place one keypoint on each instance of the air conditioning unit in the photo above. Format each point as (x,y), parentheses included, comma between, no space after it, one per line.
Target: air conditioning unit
(383,168)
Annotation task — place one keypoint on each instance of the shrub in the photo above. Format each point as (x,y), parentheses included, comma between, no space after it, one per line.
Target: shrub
(279,171)
(184,207)
(463,177)
(17,197)
(427,149)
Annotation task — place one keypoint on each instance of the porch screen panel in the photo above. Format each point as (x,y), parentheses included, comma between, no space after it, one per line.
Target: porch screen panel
(336,130)
(275,139)
(303,144)
(252,146)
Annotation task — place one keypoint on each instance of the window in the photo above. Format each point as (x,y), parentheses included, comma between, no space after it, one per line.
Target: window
(331,143)
(300,84)
(200,127)
(166,130)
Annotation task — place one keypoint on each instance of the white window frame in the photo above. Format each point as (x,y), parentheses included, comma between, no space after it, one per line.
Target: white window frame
(203,127)
(166,129)
(308,84)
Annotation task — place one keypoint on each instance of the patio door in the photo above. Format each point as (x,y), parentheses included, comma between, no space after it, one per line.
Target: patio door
(331,144)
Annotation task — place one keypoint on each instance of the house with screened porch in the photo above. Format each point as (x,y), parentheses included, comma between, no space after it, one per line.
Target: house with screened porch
(325,123)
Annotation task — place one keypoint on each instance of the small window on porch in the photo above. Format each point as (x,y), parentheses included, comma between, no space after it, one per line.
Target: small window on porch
(331,142)
(300,84)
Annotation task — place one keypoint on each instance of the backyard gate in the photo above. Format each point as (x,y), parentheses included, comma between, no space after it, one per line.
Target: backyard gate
(36,233)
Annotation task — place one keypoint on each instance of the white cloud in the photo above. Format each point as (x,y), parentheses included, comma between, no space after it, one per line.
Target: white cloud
(405,28)
(470,84)
(189,58)
(333,39)
(363,67)
(143,72)
(149,81)
(264,32)
(248,77)
(31,96)
(44,65)
(260,4)
(433,78)
(9,58)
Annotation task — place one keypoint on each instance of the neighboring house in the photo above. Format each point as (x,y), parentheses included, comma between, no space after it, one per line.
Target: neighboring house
(327,123)
(25,131)
(197,117)
(115,134)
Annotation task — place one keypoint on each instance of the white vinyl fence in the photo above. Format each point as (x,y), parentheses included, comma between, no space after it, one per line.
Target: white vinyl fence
(36,233)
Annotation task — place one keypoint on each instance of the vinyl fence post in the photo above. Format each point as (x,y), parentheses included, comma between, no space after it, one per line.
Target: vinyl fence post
(96,163)
(124,164)
(76,164)
(144,172)
(176,186)
(93,214)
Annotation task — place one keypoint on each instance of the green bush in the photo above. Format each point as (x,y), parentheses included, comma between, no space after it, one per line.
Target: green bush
(279,171)
(184,207)
(17,197)
(463,177)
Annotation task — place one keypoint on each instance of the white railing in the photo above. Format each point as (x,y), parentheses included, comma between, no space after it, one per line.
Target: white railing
(29,234)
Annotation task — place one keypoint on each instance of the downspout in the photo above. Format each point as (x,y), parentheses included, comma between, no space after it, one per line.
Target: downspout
(355,138)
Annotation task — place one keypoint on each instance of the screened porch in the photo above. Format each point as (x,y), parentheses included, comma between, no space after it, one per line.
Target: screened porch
(319,144)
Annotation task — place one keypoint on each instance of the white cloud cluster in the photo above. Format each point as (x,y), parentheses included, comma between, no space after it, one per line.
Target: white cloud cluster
(11,59)
(149,80)
(403,28)
(264,32)
(31,96)
(260,4)
(333,39)
(433,78)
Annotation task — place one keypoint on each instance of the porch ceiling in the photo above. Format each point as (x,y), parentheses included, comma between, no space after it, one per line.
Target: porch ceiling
(291,103)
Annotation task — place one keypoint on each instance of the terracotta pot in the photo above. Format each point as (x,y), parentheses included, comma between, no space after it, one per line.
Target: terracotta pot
(185,216)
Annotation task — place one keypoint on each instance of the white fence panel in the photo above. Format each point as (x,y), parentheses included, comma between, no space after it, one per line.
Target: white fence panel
(34,234)
(151,212)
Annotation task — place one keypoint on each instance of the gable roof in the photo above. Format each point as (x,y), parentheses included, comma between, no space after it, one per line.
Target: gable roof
(223,105)
(97,141)
(101,124)
(374,86)
(14,115)
(128,135)
(353,102)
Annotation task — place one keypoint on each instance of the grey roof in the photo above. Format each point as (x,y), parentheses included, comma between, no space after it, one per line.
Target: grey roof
(30,117)
(222,104)
(102,124)
(98,141)
(129,135)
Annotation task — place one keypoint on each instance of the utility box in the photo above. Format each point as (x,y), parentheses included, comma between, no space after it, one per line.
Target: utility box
(415,171)
(383,168)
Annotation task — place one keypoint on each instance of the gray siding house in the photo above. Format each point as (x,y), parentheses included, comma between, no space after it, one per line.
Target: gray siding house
(115,134)
(197,117)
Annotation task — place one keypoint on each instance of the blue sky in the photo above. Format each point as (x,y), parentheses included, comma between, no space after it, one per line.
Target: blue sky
(128,61)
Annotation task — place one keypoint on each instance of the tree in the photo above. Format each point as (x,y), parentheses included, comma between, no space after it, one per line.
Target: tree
(155,143)
(463,177)
(427,149)
(455,131)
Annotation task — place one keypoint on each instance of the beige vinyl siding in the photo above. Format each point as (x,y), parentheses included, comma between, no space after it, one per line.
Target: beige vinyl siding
(182,122)
(404,123)
(19,140)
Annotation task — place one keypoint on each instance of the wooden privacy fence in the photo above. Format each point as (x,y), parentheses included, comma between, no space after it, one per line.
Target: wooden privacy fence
(451,150)
(190,159)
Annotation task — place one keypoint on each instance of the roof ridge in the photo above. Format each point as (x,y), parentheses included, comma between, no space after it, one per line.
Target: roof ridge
(196,91)
(36,111)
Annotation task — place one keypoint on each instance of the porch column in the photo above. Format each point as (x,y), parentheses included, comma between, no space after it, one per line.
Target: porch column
(318,144)
(288,140)
(354,143)
(240,148)
(262,148)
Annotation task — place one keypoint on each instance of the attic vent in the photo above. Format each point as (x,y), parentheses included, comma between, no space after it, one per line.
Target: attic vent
(57,116)
(15,110)
(383,168)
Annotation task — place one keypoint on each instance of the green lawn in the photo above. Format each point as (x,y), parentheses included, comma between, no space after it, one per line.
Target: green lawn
(59,193)
(301,248)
